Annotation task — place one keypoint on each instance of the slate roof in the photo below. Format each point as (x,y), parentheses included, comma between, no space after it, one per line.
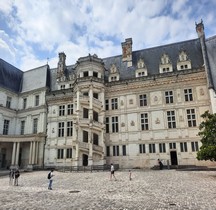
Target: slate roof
(152,57)
(10,76)
(35,78)
(211,51)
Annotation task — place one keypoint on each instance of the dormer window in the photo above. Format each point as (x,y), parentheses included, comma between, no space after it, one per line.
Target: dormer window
(141,69)
(114,75)
(140,64)
(165,64)
(183,61)
(113,69)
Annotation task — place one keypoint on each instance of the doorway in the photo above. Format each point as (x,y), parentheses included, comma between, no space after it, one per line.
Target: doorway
(85,160)
(173,157)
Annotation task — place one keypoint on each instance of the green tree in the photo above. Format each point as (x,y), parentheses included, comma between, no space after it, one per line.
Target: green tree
(208,137)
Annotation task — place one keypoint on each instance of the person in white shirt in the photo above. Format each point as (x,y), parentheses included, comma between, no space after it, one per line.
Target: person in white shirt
(112,171)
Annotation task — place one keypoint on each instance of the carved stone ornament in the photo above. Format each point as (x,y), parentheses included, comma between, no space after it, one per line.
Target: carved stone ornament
(132,123)
(122,124)
(155,98)
(157,121)
(122,103)
(181,118)
(53,130)
(131,101)
(54,111)
(202,92)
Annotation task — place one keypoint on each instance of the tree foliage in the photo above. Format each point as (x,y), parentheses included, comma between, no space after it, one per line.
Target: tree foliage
(208,137)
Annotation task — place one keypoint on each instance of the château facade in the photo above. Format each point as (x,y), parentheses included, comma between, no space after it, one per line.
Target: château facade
(129,109)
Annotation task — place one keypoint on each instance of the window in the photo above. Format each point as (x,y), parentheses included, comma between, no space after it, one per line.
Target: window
(124,150)
(142,148)
(114,124)
(62,110)
(107,124)
(70,128)
(194,146)
(85,74)
(60,154)
(162,147)
(22,127)
(8,102)
(113,78)
(114,103)
(95,95)
(6,127)
(24,103)
(85,136)
(141,74)
(95,74)
(62,87)
(107,104)
(143,100)
(85,113)
(191,117)
(183,146)
(115,150)
(70,109)
(152,148)
(144,121)
(107,151)
(188,94)
(169,97)
(37,100)
(85,93)
(95,139)
(35,125)
(172,145)
(61,129)
(95,116)
(70,85)
(171,119)
(69,153)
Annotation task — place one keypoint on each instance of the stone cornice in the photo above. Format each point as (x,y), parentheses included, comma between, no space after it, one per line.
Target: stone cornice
(22,138)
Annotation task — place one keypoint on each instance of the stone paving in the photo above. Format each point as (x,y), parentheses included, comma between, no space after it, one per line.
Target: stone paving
(150,190)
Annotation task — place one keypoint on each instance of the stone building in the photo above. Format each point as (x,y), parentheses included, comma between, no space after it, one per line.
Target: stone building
(129,109)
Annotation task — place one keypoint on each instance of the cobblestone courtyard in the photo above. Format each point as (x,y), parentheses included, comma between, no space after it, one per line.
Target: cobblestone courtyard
(167,189)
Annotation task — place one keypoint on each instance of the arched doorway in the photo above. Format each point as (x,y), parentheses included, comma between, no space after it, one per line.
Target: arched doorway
(85,160)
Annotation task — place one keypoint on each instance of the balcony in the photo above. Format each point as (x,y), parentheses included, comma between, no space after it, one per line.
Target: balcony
(98,148)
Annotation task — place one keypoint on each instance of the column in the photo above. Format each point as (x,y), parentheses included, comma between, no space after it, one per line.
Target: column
(78,99)
(30,153)
(90,142)
(36,152)
(91,97)
(17,153)
(77,155)
(33,153)
(13,154)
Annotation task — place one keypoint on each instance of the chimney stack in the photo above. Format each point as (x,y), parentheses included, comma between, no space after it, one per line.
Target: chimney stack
(127,51)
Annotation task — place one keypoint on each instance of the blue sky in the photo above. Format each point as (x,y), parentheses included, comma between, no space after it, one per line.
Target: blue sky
(33,30)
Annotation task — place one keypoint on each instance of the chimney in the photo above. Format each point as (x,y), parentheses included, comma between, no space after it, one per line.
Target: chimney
(200,29)
(127,51)
(61,65)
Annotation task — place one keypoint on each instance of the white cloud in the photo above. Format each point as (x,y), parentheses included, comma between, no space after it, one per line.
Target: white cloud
(38,29)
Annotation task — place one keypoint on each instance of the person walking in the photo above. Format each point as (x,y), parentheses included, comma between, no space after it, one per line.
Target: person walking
(112,171)
(16,176)
(50,177)
(160,164)
(11,176)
